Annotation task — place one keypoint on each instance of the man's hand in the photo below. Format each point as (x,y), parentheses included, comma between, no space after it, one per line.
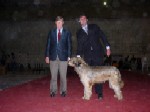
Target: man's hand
(108,52)
(68,58)
(47,60)
(78,56)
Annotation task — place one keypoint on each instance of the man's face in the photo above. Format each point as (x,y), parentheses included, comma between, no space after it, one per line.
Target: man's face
(83,20)
(59,24)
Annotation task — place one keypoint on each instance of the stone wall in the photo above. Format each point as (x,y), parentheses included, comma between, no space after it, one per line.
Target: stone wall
(27,39)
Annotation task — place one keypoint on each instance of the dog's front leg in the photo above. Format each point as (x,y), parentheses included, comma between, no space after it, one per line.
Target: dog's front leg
(86,94)
(87,91)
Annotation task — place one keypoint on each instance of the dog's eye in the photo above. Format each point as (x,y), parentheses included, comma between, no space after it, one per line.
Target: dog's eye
(78,64)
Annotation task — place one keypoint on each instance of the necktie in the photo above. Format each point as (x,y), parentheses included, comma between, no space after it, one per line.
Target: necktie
(59,35)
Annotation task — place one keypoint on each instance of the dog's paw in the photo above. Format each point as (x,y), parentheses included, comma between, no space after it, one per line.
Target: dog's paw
(115,96)
(118,97)
(83,98)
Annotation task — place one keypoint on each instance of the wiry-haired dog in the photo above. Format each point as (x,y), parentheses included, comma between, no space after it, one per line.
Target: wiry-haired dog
(89,75)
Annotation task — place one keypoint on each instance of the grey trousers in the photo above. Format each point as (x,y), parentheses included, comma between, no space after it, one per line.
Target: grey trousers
(60,66)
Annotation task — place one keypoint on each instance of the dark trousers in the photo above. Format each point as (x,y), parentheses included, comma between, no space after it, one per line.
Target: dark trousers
(99,86)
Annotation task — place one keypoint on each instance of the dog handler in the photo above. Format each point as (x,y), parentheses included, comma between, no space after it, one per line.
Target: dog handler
(90,47)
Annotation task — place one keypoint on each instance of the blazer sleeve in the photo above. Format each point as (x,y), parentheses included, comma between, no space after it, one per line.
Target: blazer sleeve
(102,36)
(69,44)
(79,43)
(47,50)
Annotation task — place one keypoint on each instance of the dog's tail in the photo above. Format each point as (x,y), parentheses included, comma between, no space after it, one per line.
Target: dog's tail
(121,84)
(120,80)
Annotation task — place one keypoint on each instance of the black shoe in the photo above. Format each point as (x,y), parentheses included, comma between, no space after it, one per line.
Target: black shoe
(52,94)
(63,94)
(100,96)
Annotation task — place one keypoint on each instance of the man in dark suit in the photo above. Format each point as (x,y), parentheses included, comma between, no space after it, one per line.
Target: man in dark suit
(90,47)
(57,53)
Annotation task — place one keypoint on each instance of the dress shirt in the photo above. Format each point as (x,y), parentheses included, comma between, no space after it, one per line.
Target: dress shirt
(85,28)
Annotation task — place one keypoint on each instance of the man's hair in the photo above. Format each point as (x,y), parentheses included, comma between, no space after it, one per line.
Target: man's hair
(58,18)
(83,15)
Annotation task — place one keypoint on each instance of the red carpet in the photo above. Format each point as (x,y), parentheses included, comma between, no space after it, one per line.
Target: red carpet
(34,97)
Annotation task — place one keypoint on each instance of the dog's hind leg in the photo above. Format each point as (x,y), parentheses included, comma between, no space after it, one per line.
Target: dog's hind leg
(118,93)
(116,87)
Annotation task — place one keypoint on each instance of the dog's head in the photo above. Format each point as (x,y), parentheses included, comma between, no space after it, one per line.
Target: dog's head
(77,62)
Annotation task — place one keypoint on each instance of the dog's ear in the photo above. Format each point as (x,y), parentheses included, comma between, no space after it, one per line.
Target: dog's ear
(83,62)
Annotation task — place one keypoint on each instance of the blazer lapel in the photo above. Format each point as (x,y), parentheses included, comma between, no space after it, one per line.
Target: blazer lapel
(62,34)
(55,35)
(84,32)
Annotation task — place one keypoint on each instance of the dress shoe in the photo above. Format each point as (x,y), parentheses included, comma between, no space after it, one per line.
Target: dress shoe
(52,94)
(63,94)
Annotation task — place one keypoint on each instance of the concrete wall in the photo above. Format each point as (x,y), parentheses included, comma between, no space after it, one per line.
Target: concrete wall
(27,39)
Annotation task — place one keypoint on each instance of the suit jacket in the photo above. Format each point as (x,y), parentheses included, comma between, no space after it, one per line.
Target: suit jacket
(91,45)
(62,49)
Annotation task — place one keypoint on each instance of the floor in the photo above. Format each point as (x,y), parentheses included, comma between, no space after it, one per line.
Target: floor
(12,79)
(33,96)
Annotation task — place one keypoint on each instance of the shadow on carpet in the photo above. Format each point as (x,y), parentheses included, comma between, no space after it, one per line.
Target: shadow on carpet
(10,80)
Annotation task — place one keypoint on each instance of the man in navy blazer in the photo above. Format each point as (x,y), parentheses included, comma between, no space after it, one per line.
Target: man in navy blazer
(57,53)
(90,41)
